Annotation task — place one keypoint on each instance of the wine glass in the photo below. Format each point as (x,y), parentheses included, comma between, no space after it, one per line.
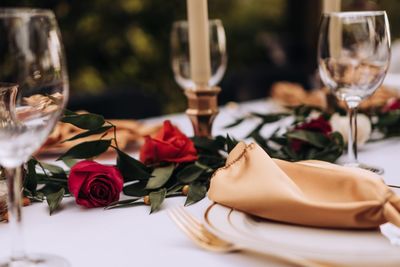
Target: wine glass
(33,93)
(353,58)
(180,53)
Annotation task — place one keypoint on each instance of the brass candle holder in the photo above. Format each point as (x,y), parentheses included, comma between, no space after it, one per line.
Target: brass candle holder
(202,108)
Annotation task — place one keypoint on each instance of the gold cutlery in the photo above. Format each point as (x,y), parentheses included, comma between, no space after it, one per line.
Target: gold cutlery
(201,236)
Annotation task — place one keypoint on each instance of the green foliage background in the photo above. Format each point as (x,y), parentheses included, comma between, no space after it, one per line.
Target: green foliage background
(125,43)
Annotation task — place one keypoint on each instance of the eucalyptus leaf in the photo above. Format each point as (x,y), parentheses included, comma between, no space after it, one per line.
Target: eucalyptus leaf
(86,121)
(197,192)
(86,150)
(54,200)
(160,176)
(90,132)
(156,199)
(131,168)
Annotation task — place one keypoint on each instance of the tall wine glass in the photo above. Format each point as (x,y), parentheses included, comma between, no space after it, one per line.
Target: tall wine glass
(33,93)
(180,53)
(353,57)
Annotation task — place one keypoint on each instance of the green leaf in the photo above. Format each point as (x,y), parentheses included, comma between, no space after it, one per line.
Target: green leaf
(131,168)
(270,117)
(54,200)
(156,199)
(68,112)
(230,143)
(314,138)
(160,176)
(197,192)
(127,205)
(70,162)
(235,123)
(388,122)
(121,203)
(208,144)
(86,150)
(137,189)
(174,189)
(190,173)
(30,182)
(90,132)
(54,169)
(86,121)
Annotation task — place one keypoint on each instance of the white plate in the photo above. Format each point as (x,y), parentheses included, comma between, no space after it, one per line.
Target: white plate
(349,247)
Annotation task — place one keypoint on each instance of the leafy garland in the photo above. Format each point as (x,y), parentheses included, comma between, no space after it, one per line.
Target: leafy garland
(385,122)
(148,185)
(151,185)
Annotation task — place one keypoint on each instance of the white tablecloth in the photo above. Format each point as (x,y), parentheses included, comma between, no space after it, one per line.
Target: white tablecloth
(132,237)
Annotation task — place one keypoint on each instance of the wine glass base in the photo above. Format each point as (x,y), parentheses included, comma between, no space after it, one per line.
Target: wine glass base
(371,168)
(36,260)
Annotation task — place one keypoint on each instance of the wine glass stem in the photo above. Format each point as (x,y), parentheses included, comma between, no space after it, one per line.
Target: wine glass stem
(352,141)
(14,183)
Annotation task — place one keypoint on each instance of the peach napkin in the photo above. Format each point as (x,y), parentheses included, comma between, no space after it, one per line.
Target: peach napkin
(312,193)
(292,95)
(128,132)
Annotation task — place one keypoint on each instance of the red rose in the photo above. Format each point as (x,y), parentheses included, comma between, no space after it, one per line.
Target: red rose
(94,185)
(315,125)
(392,104)
(169,145)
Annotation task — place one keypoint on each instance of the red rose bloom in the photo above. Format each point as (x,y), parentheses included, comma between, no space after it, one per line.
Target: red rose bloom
(315,125)
(391,105)
(94,185)
(169,145)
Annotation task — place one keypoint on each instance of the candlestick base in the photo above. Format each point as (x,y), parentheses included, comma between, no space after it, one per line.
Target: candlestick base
(202,108)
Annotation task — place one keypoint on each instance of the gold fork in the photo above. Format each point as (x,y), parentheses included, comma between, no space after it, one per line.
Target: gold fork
(202,237)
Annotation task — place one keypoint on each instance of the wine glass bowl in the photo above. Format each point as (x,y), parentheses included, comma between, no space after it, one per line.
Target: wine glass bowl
(33,94)
(353,58)
(180,58)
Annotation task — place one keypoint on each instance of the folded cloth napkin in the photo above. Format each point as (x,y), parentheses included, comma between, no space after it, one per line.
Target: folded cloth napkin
(312,193)
(128,132)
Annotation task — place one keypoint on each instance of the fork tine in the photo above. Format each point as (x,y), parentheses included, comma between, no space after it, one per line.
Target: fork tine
(204,239)
(189,216)
(194,222)
(185,230)
(187,227)
(198,236)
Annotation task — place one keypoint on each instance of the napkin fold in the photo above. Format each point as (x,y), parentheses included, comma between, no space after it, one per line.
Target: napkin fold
(313,193)
(128,132)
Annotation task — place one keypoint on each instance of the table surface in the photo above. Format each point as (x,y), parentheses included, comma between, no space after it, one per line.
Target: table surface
(132,237)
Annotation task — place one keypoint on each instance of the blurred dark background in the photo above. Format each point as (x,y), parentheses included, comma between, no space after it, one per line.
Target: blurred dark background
(118,51)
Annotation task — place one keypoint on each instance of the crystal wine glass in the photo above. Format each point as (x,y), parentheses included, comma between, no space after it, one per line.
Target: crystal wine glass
(33,93)
(353,58)
(180,53)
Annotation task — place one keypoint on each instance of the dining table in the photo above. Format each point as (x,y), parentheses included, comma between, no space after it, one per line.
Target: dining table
(132,237)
